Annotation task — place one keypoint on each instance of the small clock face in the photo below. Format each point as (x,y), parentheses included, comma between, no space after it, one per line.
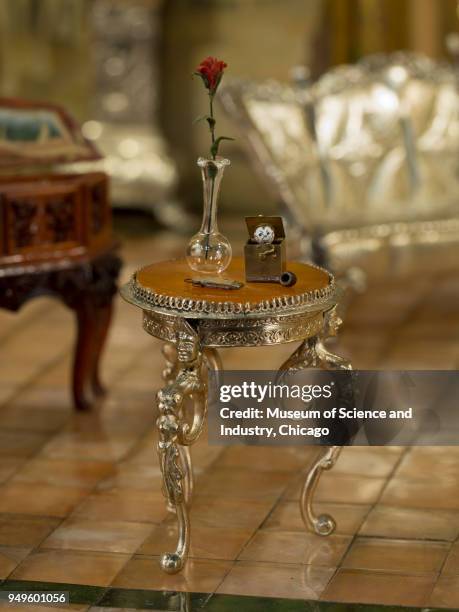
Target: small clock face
(264,234)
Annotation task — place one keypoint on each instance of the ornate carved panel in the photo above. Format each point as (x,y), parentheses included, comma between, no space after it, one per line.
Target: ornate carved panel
(47,217)
(24,226)
(98,197)
(60,219)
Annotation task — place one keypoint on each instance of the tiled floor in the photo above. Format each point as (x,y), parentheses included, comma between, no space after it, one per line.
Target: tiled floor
(80,497)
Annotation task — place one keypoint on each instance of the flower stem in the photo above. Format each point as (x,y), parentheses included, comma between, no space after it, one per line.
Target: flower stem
(212,136)
(212,122)
(209,220)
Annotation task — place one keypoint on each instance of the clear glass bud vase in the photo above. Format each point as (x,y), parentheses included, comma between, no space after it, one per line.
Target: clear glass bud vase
(209,252)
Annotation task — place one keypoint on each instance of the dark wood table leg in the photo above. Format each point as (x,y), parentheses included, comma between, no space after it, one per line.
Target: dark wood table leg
(103,320)
(93,307)
(84,353)
(93,321)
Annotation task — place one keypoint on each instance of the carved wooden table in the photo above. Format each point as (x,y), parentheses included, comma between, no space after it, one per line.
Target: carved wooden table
(196,322)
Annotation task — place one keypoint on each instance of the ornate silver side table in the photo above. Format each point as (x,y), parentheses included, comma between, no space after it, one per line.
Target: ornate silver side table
(194,322)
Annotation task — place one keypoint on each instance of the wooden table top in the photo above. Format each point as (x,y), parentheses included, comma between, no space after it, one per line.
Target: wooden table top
(168,278)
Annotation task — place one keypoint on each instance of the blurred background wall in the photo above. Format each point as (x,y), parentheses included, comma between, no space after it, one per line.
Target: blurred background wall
(47,52)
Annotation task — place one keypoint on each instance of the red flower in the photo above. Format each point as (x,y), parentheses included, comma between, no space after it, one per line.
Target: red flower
(211,70)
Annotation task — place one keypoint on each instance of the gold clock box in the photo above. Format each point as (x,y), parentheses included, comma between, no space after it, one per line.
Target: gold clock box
(264,251)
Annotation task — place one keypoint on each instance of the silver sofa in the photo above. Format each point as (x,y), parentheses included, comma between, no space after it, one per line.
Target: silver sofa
(364,162)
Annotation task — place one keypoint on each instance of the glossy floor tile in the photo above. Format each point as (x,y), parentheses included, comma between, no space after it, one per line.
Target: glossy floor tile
(199,575)
(48,500)
(239,513)
(63,472)
(103,536)
(439,492)
(451,566)
(411,523)
(446,592)
(123,505)
(295,547)
(221,542)
(290,581)
(364,586)
(10,557)
(25,531)
(396,555)
(76,567)
(247,484)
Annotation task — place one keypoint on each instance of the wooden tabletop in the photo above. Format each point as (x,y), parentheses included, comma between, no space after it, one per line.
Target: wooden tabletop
(168,278)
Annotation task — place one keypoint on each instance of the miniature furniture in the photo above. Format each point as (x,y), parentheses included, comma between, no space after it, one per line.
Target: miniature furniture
(196,321)
(56,230)
(363,162)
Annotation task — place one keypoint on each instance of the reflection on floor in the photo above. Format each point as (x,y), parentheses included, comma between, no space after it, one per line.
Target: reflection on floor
(80,499)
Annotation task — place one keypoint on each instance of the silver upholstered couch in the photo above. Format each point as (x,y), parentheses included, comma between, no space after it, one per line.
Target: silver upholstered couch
(364,162)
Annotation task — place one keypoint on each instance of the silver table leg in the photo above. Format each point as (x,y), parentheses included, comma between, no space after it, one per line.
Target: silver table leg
(178,430)
(324,524)
(180,426)
(312,353)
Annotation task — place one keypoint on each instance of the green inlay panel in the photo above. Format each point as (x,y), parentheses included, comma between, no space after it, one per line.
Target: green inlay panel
(242,603)
(78,593)
(169,601)
(154,600)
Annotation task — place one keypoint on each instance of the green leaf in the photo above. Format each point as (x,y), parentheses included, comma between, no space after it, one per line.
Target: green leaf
(214,147)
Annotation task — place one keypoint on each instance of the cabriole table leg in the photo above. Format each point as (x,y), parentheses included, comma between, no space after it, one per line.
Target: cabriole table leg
(212,361)
(169,373)
(324,524)
(177,431)
(312,353)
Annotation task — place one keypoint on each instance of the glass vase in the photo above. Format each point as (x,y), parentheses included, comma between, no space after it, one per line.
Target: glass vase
(208,251)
